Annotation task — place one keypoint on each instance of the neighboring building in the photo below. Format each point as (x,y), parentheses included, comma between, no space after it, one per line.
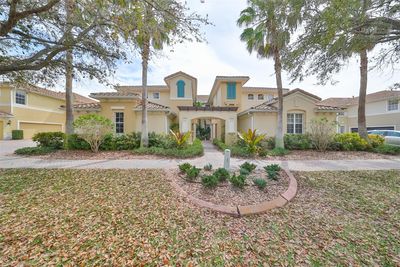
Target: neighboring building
(382,111)
(230,107)
(32,109)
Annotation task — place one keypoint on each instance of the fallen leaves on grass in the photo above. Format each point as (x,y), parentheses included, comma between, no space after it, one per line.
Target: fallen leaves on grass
(133,217)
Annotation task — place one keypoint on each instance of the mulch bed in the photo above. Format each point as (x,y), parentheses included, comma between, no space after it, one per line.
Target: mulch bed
(329,155)
(228,195)
(86,154)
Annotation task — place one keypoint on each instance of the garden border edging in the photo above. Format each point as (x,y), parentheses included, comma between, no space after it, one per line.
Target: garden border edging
(239,211)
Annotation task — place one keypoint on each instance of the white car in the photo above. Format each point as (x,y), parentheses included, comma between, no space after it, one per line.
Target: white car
(391,137)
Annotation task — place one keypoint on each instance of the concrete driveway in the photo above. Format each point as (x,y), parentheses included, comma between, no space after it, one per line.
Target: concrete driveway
(7,147)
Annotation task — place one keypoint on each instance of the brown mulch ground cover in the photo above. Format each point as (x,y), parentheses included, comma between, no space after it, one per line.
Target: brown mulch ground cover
(134,218)
(86,154)
(226,194)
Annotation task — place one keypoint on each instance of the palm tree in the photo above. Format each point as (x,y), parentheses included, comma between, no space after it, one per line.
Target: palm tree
(69,112)
(268,27)
(152,33)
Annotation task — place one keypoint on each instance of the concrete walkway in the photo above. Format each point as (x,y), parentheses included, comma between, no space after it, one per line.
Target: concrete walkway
(211,155)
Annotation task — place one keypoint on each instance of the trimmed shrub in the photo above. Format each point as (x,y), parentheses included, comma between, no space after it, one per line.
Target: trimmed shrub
(278,152)
(260,183)
(73,141)
(40,150)
(17,134)
(297,141)
(236,150)
(184,167)
(248,166)
(209,181)
(238,180)
(159,140)
(376,140)
(387,149)
(50,139)
(208,167)
(222,174)
(188,151)
(351,142)
(192,173)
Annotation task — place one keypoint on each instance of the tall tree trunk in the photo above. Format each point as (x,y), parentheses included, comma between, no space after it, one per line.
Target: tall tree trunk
(362,126)
(69,112)
(145,59)
(278,75)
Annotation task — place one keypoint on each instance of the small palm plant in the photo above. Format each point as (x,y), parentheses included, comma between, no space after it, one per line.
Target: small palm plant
(251,139)
(180,138)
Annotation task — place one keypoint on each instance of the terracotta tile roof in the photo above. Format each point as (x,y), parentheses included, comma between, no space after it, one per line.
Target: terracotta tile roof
(328,108)
(138,88)
(179,73)
(152,106)
(266,106)
(253,88)
(207,108)
(93,105)
(337,101)
(6,114)
(55,94)
(373,97)
(122,94)
(202,98)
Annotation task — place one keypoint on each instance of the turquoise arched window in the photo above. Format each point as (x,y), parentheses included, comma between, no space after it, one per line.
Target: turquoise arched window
(181,88)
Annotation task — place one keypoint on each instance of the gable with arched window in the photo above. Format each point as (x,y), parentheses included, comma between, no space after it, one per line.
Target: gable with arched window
(180,85)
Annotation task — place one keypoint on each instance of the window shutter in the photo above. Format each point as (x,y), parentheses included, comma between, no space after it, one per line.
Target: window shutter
(181,88)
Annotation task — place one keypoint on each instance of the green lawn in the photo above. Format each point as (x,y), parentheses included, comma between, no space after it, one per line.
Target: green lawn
(127,217)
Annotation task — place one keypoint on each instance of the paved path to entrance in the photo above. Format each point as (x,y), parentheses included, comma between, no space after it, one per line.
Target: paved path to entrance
(211,155)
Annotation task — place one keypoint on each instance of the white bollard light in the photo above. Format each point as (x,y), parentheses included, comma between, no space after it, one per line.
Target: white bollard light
(227,159)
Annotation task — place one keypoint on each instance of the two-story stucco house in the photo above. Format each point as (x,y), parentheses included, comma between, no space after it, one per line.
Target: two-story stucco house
(382,111)
(32,109)
(230,107)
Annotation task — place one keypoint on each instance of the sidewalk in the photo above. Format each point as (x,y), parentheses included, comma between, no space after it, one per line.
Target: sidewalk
(211,155)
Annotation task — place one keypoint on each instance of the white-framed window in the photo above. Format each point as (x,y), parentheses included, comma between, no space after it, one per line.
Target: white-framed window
(250,97)
(295,123)
(156,95)
(260,97)
(119,122)
(393,104)
(20,97)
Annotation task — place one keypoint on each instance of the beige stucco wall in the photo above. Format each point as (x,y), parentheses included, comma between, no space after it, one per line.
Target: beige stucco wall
(109,107)
(246,103)
(39,113)
(5,98)
(299,103)
(389,119)
(157,122)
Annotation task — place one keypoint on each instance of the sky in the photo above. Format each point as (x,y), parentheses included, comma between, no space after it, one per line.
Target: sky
(224,54)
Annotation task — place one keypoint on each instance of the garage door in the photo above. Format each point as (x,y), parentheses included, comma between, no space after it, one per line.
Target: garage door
(31,128)
(1,130)
(355,130)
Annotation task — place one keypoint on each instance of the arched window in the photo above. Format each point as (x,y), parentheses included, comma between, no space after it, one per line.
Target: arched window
(260,97)
(181,88)
(250,97)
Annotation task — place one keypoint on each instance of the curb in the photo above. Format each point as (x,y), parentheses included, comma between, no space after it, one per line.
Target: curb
(239,211)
